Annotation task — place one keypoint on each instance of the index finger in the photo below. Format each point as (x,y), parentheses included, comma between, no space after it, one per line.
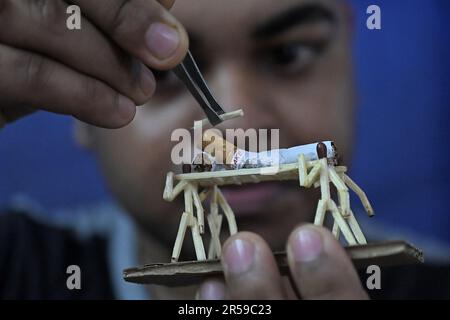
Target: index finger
(143,28)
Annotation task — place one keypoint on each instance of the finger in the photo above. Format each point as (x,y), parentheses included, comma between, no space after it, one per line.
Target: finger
(211,289)
(250,269)
(320,266)
(40,26)
(36,81)
(143,28)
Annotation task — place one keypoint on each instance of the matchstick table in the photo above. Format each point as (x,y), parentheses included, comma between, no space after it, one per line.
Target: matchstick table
(318,173)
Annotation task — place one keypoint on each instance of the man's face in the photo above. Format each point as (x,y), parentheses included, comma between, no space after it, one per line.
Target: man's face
(286,63)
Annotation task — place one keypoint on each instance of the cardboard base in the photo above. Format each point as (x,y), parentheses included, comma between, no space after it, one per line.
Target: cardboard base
(192,272)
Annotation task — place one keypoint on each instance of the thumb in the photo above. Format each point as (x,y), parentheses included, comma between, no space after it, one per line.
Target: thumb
(320,267)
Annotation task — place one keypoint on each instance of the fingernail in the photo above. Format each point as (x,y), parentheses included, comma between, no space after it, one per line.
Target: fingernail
(126,107)
(306,245)
(162,40)
(148,82)
(238,256)
(212,290)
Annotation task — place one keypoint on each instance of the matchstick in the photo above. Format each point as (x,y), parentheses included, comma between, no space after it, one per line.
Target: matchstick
(188,206)
(336,231)
(171,193)
(324,180)
(227,211)
(361,194)
(180,237)
(344,197)
(199,209)
(215,248)
(345,229)
(356,229)
(302,171)
(320,213)
(198,242)
(226,116)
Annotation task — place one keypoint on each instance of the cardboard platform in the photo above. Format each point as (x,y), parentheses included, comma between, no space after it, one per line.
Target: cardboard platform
(186,273)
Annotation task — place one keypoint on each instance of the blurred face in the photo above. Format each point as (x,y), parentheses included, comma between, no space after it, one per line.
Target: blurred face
(286,63)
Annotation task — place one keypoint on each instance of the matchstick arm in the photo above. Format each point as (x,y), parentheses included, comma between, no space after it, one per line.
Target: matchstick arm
(170,193)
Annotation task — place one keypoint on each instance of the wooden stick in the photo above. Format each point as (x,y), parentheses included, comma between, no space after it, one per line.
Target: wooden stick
(336,230)
(344,196)
(302,170)
(226,116)
(216,219)
(169,192)
(353,223)
(188,206)
(324,181)
(214,207)
(313,175)
(228,212)
(198,242)
(320,213)
(199,209)
(348,235)
(215,248)
(361,194)
(180,236)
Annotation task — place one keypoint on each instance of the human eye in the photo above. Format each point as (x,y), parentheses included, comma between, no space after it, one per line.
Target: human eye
(293,58)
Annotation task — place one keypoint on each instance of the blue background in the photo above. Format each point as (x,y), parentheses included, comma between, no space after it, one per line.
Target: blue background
(401,157)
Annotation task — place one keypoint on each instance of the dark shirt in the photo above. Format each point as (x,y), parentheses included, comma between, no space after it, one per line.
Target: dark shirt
(34,258)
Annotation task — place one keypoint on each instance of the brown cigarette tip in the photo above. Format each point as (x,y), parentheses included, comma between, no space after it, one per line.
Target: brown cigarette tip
(321,150)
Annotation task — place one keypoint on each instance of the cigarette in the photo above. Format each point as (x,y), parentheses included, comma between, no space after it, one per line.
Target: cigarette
(221,154)
(247,159)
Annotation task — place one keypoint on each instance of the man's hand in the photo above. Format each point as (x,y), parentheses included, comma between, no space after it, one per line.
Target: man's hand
(97,74)
(319,266)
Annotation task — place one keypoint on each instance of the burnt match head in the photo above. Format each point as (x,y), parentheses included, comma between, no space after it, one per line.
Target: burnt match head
(321,150)
(187,168)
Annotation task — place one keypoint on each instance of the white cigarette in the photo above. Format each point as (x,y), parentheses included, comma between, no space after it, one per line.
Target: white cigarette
(247,159)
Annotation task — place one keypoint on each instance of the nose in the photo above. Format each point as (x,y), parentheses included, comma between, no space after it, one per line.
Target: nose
(236,87)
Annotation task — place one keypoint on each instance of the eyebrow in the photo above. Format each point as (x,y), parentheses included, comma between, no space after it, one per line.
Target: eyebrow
(293,17)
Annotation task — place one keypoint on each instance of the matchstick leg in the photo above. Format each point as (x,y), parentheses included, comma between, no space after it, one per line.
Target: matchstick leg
(354,226)
(360,193)
(336,231)
(215,248)
(229,214)
(320,213)
(199,209)
(180,237)
(347,233)
(344,196)
(198,242)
